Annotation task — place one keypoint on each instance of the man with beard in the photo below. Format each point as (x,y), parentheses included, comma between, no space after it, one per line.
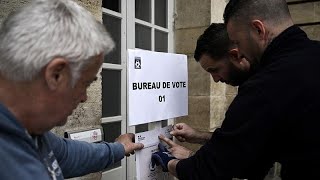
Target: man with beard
(286,85)
(220,58)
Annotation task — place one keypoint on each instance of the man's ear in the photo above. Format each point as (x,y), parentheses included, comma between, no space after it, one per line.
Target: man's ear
(234,54)
(258,28)
(56,73)
(237,60)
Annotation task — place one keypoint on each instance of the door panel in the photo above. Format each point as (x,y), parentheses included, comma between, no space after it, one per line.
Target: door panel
(144,24)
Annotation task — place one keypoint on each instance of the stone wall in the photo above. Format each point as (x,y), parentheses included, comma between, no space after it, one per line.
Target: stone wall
(8,6)
(192,18)
(307,16)
(208,100)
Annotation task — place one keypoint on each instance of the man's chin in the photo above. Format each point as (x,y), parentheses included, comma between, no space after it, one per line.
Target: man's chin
(233,83)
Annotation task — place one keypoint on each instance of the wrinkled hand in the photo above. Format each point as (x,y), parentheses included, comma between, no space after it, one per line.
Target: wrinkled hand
(176,150)
(184,133)
(127,140)
(162,158)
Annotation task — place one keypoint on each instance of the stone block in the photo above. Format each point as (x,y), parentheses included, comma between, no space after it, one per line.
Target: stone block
(217,9)
(93,6)
(317,11)
(199,80)
(94,92)
(313,32)
(217,110)
(8,6)
(302,13)
(199,84)
(231,90)
(217,89)
(186,39)
(199,113)
(192,13)
(83,117)
(193,65)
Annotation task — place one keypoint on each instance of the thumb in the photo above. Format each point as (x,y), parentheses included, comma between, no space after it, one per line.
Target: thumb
(179,126)
(175,132)
(137,146)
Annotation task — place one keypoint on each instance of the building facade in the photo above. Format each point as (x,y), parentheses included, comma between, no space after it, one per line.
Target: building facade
(165,26)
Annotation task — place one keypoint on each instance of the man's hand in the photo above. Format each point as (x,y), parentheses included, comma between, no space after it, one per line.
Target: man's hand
(127,140)
(185,133)
(176,150)
(162,158)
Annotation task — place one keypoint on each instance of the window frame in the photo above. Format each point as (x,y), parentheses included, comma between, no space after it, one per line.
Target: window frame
(128,21)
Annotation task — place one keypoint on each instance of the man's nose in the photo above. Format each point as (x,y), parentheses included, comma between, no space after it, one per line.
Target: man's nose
(84,97)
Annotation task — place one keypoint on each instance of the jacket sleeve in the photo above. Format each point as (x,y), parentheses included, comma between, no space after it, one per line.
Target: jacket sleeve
(242,147)
(78,158)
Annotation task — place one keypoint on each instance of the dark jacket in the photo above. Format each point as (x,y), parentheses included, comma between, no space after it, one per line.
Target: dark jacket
(49,156)
(274,118)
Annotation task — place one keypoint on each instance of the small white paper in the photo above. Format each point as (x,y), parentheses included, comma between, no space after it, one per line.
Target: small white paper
(150,139)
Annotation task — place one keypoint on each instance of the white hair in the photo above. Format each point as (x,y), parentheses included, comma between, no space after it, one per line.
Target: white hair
(46,29)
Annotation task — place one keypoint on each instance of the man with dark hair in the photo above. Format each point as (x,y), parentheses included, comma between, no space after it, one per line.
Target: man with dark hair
(268,18)
(274,117)
(288,74)
(218,56)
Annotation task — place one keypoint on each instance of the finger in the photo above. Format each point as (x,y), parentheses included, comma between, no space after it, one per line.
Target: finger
(174,132)
(167,140)
(132,147)
(177,132)
(137,146)
(181,139)
(179,126)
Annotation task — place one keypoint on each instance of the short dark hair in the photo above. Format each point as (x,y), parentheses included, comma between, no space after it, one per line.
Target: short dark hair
(214,42)
(273,10)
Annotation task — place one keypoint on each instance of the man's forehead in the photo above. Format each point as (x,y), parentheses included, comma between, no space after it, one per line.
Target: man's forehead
(207,60)
(230,26)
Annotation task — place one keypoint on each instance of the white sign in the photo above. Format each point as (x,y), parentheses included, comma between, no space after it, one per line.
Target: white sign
(157,86)
(150,140)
